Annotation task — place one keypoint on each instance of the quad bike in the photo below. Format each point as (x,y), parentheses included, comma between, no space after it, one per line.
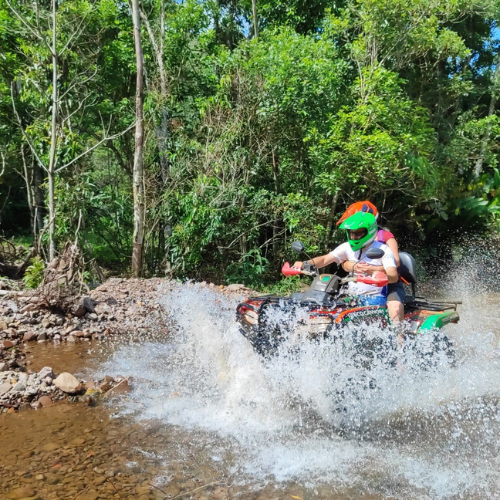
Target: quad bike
(327,310)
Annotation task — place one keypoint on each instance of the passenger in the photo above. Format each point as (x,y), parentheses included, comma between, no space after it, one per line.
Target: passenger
(395,291)
(361,229)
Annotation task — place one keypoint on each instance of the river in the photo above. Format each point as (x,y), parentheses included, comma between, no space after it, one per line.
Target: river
(208,418)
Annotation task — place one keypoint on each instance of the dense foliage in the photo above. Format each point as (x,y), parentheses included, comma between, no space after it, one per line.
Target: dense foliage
(251,142)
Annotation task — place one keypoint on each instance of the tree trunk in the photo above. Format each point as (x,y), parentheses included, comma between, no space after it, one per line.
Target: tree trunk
(138,175)
(53,136)
(161,130)
(331,216)
(255,20)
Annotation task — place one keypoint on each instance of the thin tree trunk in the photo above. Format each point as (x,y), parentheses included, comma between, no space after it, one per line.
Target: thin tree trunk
(162,128)
(39,197)
(53,136)
(333,209)
(255,20)
(138,176)
(30,195)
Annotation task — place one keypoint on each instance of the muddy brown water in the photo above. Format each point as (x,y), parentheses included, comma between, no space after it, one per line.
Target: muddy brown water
(73,451)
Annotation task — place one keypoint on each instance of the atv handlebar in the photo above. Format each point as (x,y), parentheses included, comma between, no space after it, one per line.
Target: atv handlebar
(308,270)
(378,279)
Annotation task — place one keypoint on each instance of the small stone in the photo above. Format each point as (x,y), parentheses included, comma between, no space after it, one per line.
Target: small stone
(42,336)
(19,387)
(50,447)
(28,337)
(121,388)
(88,496)
(19,493)
(45,401)
(106,383)
(235,287)
(39,477)
(3,367)
(6,344)
(78,310)
(67,383)
(45,372)
(4,388)
(71,338)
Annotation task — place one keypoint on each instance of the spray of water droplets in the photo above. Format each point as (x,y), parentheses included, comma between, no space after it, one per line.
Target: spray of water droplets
(400,423)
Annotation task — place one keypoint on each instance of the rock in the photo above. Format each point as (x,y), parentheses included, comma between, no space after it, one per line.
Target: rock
(42,336)
(45,401)
(4,388)
(50,447)
(30,307)
(71,338)
(45,372)
(78,310)
(92,316)
(3,367)
(46,322)
(106,384)
(89,304)
(88,496)
(6,344)
(78,333)
(67,383)
(29,337)
(122,388)
(23,492)
(235,287)
(3,325)
(19,387)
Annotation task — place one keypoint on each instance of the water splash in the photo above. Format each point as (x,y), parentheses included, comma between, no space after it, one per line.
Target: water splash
(314,414)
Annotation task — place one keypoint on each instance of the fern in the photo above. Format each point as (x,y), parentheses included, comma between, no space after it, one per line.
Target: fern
(33,275)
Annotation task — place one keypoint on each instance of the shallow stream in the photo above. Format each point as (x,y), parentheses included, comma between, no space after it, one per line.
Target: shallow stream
(209,419)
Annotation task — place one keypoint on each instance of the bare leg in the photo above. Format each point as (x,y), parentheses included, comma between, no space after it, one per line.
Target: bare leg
(397,315)
(396,311)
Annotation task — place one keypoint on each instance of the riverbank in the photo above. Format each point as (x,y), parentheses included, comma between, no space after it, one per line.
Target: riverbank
(119,308)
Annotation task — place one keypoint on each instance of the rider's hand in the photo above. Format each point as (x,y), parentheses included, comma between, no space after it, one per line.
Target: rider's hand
(362,267)
(298,265)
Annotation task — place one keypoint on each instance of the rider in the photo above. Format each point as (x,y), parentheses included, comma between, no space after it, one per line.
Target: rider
(395,291)
(361,229)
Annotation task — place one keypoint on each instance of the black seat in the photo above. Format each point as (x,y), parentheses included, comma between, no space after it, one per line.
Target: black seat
(407,270)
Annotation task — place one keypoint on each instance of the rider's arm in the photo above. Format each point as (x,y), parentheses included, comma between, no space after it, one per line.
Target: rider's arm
(392,274)
(319,262)
(367,268)
(393,245)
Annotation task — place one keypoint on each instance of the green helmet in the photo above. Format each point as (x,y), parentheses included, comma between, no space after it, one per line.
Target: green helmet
(360,220)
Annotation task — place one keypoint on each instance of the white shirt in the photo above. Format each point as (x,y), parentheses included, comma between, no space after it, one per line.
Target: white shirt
(344,252)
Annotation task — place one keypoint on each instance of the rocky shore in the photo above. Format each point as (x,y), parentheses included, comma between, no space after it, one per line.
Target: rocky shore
(117,307)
